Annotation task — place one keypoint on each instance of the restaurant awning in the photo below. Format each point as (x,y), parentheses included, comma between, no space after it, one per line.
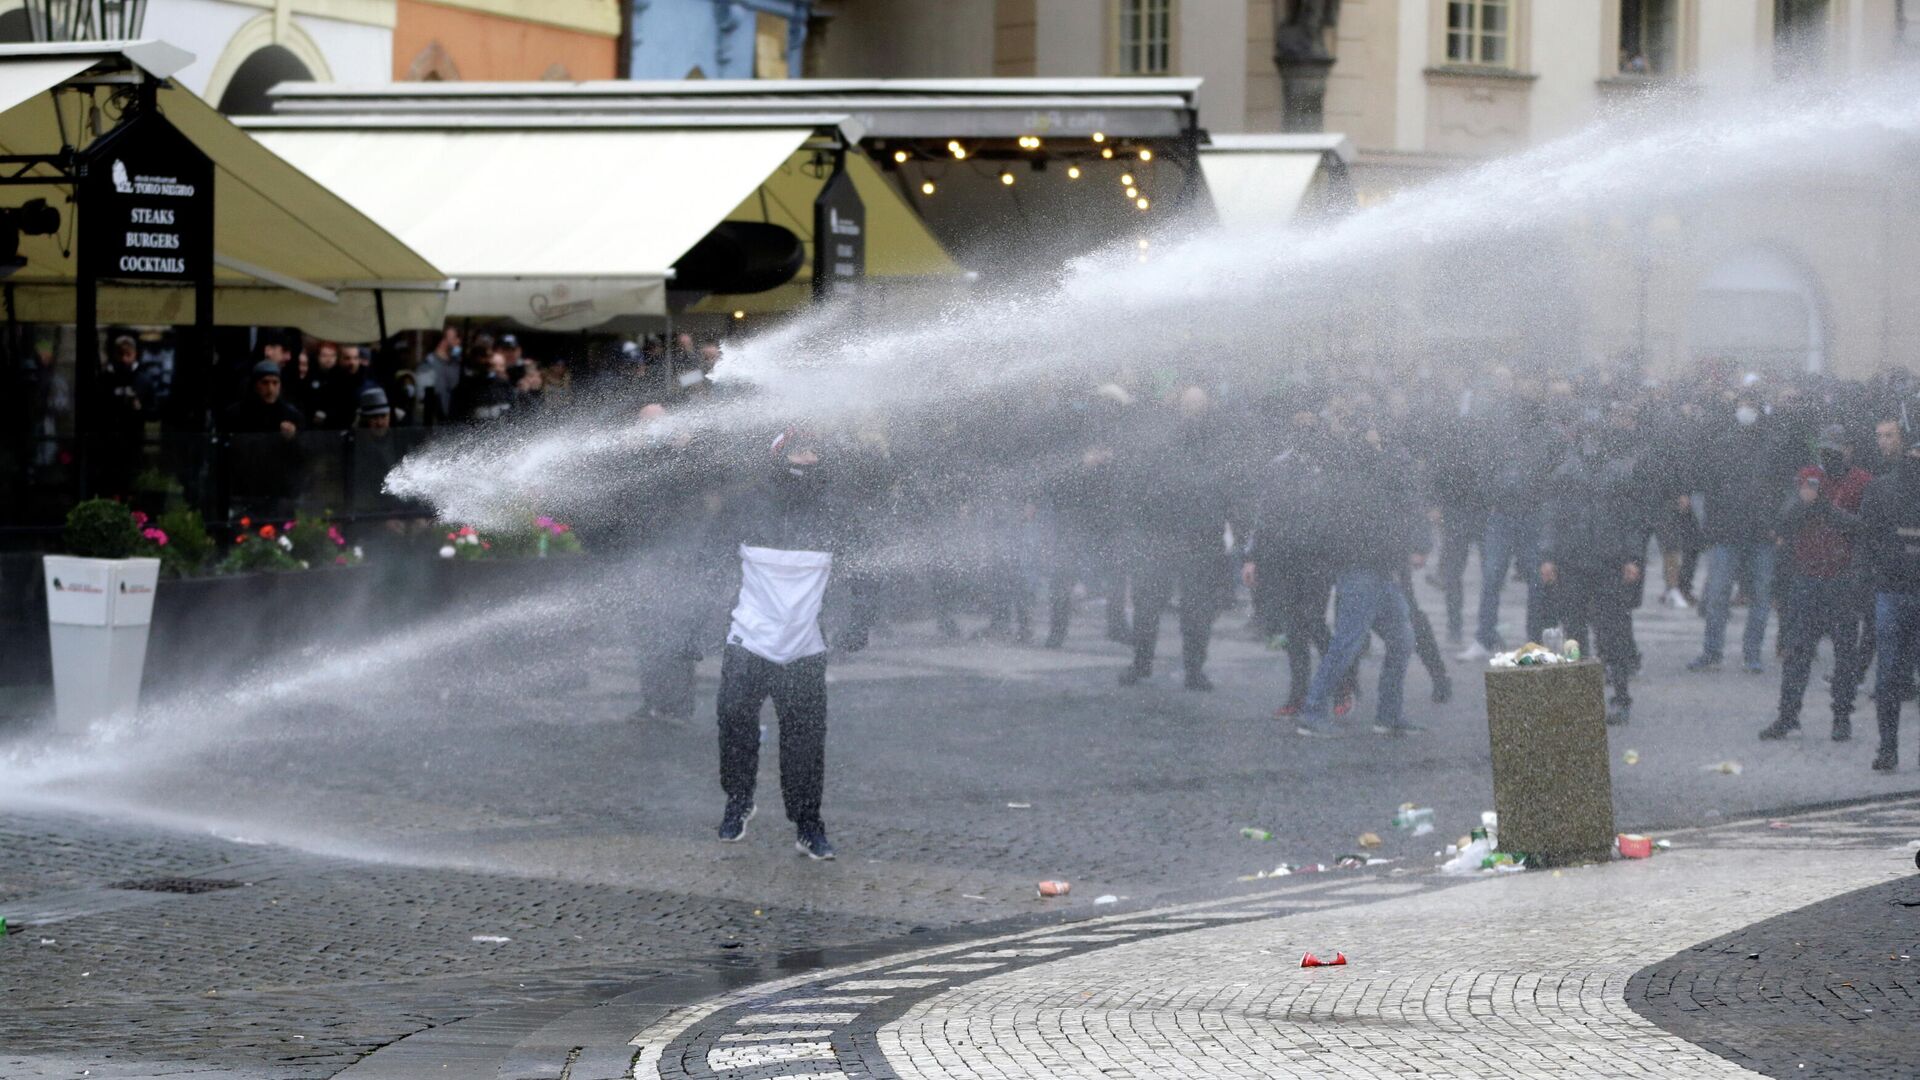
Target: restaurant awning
(1260,181)
(900,248)
(555,223)
(287,251)
(1143,108)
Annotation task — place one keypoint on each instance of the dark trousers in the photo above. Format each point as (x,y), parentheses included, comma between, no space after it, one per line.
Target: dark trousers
(1299,595)
(1816,608)
(1424,645)
(1200,581)
(1896,627)
(799,693)
(1596,608)
(1460,530)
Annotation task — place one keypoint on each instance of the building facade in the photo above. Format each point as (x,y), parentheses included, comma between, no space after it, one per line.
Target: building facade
(1423,88)
(718,39)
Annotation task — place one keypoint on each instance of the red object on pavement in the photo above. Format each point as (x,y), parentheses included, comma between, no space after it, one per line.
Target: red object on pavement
(1633,846)
(1310,961)
(1055,888)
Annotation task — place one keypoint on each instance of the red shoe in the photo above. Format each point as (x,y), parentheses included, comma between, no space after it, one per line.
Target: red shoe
(1286,712)
(1344,705)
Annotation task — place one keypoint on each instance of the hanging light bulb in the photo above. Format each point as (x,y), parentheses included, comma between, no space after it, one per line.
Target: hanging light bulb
(1145,154)
(1142,203)
(1107,152)
(927,188)
(1126,179)
(1133,193)
(1142,243)
(1006,178)
(738,314)
(1073,172)
(1099,136)
(959,152)
(900,157)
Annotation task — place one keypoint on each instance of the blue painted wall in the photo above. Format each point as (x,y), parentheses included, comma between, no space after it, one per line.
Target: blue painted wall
(671,37)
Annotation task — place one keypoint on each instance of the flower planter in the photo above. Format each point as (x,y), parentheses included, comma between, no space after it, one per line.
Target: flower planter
(98,612)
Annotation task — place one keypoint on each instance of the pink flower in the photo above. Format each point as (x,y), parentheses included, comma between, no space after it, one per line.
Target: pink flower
(156,536)
(333,533)
(544,522)
(339,560)
(139,518)
(287,527)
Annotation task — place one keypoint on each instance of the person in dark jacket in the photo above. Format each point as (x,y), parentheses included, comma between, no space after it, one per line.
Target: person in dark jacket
(1520,448)
(786,533)
(1290,559)
(267,459)
(1823,591)
(1181,500)
(1379,528)
(1890,534)
(1592,550)
(1744,472)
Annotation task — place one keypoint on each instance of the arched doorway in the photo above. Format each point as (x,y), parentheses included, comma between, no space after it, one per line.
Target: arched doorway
(246,92)
(1761,311)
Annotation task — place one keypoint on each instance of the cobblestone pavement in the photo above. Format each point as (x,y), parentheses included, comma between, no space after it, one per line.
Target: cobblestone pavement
(388,804)
(1514,975)
(1831,989)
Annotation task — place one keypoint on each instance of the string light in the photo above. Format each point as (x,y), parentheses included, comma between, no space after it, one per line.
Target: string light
(738,314)
(1146,155)
(900,157)
(959,152)
(1099,136)
(1006,178)
(1073,172)
(1142,203)
(1029,142)
(927,188)
(1133,193)
(1126,179)
(1142,243)
(1107,152)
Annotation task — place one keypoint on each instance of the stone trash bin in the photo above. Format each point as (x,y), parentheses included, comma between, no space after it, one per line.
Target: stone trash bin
(1552,777)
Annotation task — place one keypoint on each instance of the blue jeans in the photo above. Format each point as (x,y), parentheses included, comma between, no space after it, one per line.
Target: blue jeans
(1750,561)
(1510,539)
(1896,628)
(1364,602)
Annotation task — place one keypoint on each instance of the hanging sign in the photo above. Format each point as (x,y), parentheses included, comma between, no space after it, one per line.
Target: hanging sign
(839,237)
(146,205)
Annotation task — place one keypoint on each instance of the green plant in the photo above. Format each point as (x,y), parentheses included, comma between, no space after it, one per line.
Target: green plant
(254,554)
(318,541)
(102,529)
(188,549)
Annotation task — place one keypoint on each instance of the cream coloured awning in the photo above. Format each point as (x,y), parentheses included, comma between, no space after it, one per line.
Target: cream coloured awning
(556,225)
(1260,181)
(288,252)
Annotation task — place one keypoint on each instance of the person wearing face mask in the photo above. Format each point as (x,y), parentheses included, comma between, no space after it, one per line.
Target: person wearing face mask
(1742,472)
(786,532)
(1593,546)
(1823,594)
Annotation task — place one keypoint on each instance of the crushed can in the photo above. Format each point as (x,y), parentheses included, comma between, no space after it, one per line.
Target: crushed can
(1055,888)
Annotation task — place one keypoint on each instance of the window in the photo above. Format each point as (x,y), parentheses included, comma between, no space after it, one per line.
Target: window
(1143,37)
(1480,32)
(1646,37)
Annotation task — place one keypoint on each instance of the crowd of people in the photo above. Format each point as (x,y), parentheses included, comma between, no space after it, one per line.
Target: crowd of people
(1590,495)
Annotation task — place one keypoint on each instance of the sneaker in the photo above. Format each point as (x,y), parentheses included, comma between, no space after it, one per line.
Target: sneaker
(812,842)
(1344,704)
(1474,653)
(1307,731)
(1885,760)
(1442,690)
(1842,729)
(1399,730)
(1199,681)
(1704,662)
(1754,667)
(1286,712)
(1132,676)
(733,824)
(1619,713)
(1779,729)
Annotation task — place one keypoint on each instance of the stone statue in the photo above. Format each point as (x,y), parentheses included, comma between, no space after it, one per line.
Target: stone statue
(1300,33)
